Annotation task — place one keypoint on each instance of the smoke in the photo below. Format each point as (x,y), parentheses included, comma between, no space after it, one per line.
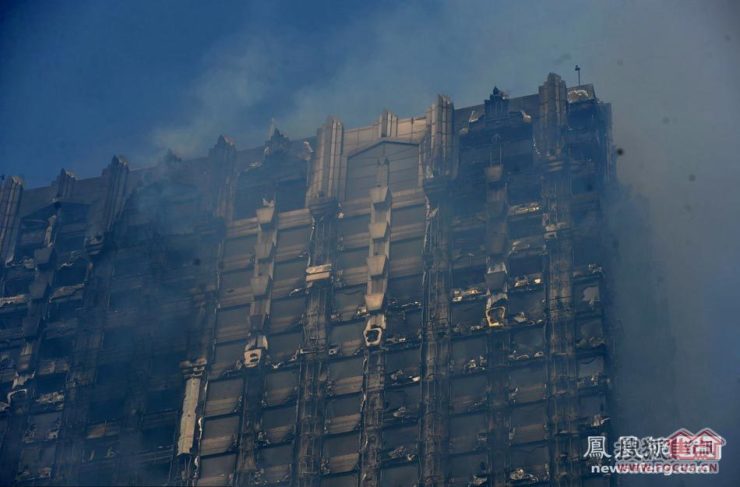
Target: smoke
(670,70)
(230,84)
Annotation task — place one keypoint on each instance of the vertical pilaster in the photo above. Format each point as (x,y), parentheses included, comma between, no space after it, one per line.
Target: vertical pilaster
(10,202)
(223,156)
(117,176)
(439,169)
(264,267)
(499,336)
(322,203)
(378,264)
(562,373)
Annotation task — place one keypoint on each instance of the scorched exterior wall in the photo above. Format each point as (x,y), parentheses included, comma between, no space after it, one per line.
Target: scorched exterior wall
(416,302)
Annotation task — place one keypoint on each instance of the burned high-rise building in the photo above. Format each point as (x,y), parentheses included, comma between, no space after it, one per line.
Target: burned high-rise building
(418,302)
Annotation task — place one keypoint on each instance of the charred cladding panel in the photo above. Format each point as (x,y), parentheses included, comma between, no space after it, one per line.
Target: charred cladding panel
(416,302)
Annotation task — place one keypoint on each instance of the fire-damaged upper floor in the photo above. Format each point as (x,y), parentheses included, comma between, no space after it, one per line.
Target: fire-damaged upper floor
(421,301)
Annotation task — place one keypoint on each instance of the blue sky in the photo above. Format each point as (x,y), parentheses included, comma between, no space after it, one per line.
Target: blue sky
(83,80)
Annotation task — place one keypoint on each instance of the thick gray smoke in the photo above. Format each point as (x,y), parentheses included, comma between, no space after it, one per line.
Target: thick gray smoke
(670,70)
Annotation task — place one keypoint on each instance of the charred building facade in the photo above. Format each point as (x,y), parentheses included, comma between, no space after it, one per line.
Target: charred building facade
(418,302)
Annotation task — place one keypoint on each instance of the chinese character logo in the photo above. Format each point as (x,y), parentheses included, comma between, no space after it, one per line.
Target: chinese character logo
(597,447)
(706,445)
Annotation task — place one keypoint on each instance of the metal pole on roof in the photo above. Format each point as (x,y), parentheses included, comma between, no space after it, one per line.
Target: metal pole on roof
(578,70)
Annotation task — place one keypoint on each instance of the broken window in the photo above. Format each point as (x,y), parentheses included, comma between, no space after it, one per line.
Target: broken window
(346,375)
(591,371)
(69,242)
(402,404)
(36,462)
(217,470)
(43,427)
(224,396)
(157,438)
(525,265)
(403,367)
(528,423)
(343,413)
(593,407)
(468,393)
(106,410)
(12,318)
(159,400)
(527,307)
(463,467)
(468,315)
(400,443)
(469,355)
(9,359)
(284,346)
(405,289)
(467,278)
(278,423)
(589,334)
(56,347)
(523,191)
(349,300)
(525,227)
(291,195)
(527,384)
(530,462)
(587,296)
(280,386)
(527,344)
(402,475)
(347,337)
(227,355)
(219,435)
(249,197)
(285,312)
(468,432)
(277,455)
(341,446)
(403,326)
(71,274)
(18,284)
(469,243)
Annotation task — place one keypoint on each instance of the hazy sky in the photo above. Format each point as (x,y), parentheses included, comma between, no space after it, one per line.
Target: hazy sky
(81,81)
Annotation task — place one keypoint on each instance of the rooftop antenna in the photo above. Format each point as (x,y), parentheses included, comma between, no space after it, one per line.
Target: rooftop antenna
(578,70)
